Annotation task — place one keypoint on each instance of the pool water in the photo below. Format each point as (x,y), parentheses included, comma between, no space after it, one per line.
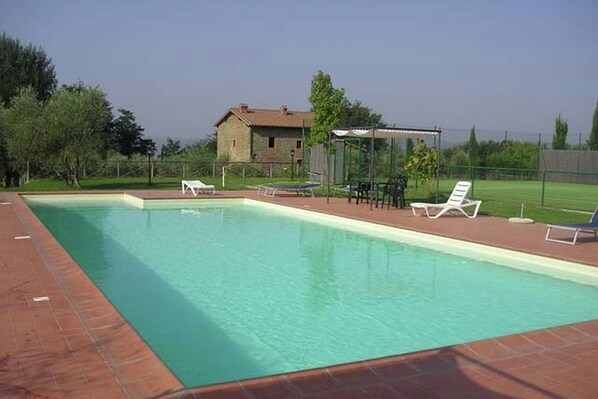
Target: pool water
(228,292)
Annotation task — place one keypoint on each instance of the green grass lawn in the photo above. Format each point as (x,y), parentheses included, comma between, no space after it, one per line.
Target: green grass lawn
(500,198)
(140,183)
(504,198)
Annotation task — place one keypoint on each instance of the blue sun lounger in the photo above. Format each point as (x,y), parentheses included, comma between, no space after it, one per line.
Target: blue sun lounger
(591,227)
(269,190)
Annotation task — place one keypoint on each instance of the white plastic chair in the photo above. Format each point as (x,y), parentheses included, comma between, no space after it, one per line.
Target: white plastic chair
(456,202)
(196,187)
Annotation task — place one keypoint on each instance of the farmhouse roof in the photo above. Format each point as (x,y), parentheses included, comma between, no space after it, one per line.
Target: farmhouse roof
(281,117)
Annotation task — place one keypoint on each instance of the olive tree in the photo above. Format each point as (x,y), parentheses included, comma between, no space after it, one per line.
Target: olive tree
(22,126)
(76,123)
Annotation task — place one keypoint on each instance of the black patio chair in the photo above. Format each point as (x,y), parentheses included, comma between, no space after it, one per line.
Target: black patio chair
(355,187)
(363,190)
(393,192)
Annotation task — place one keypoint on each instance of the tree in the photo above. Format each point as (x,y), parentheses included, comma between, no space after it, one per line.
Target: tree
(559,140)
(408,149)
(472,152)
(514,154)
(472,148)
(24,66)
(423,163)
(593,140)
(355,114)
(4,165)
(23,127)
(76,131)
(327,106)
(147,146)
(170,148)
(486,149)
(127,135)
(107,135)
(204,149)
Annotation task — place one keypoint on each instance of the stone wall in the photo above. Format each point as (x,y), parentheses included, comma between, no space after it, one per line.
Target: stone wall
(234,138)
(285,140)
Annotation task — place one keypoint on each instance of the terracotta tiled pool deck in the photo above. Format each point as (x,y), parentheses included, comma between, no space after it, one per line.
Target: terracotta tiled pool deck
(76,345)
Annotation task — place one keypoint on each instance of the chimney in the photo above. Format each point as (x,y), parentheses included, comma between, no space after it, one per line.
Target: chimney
(243,108)
(283,109)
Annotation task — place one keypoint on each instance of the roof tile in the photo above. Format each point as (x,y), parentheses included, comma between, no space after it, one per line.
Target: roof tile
(271,117)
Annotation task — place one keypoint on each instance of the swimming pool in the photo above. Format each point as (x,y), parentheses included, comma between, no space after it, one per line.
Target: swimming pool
(230,290)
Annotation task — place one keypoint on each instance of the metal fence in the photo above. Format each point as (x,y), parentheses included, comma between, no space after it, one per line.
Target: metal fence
(570,166)
(182,169)
(545,188)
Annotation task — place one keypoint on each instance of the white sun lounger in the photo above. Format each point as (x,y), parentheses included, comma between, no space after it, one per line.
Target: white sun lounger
(197,187)
(456,202)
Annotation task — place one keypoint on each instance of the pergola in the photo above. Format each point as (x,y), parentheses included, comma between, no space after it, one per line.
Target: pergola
(383,133)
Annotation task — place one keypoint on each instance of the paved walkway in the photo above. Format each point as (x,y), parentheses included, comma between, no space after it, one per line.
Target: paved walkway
(76,345)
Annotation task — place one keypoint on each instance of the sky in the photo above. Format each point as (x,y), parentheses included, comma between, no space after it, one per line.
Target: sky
(179,65)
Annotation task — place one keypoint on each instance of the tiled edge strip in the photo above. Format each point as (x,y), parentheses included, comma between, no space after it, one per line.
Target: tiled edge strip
(137,368)
(485,365)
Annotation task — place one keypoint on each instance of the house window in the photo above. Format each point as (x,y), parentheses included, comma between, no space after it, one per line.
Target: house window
(234,143)
(270,142)
(298,145)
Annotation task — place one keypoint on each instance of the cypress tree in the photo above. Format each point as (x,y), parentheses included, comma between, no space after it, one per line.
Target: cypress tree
(472,148)
(593,140)
(472,151)
(559,140)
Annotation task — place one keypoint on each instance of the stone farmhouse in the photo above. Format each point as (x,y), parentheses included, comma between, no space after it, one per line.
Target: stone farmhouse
(263,135)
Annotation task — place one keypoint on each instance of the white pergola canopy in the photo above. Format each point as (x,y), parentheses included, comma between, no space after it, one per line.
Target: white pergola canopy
(386,133)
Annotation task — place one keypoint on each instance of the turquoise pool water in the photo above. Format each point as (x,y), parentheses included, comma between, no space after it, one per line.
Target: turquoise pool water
(233,291)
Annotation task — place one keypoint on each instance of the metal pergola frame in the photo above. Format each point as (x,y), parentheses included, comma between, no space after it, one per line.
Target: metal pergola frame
(374,132)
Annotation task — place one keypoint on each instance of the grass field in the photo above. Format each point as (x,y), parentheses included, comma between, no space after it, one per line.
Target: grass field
(500,198)
(504,198)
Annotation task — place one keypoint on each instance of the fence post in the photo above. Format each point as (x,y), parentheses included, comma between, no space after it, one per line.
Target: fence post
(184,168)
(152,168)
(213,169)
(543,186)
(27,176)
(270,171)
(118,169)
(243,170)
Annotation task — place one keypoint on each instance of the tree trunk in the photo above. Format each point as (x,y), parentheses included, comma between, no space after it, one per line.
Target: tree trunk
(12,178)
(6,179)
